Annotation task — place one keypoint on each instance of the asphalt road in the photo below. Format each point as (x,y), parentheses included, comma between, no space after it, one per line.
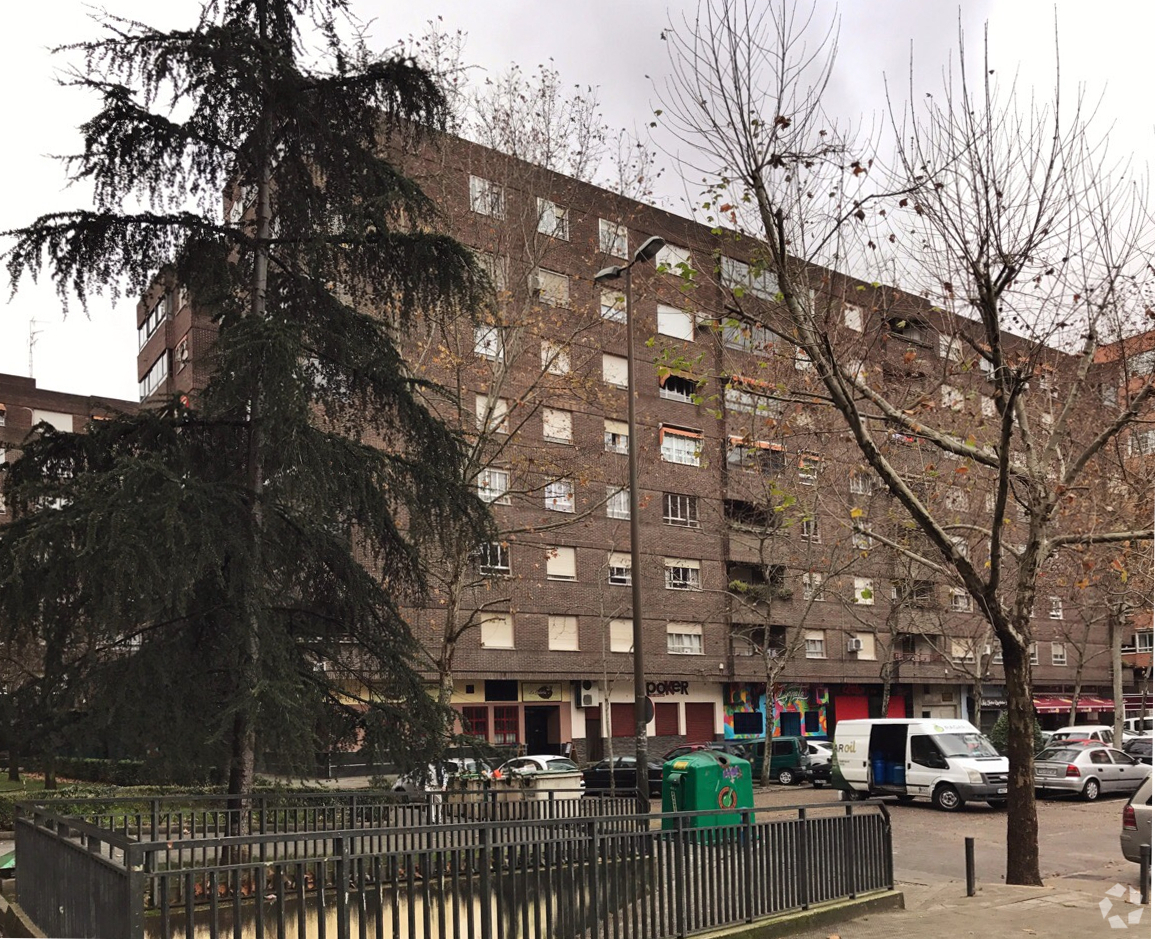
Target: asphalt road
(1078,841)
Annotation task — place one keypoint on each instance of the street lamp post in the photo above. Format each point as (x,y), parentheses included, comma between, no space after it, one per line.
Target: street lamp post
(648,250)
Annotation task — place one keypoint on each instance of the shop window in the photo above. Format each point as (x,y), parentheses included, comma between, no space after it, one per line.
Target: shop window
(475,722)
(505,725)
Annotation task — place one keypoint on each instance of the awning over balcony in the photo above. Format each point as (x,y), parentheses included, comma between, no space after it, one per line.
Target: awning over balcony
(1059,704)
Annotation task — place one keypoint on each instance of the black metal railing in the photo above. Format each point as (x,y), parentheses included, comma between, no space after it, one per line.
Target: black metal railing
(596,875)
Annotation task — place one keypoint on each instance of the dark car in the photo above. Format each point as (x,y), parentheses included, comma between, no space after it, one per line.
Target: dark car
(597,777)
(1139,748)
(733,747)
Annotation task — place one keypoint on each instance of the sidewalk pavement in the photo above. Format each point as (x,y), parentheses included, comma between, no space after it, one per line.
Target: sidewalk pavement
(1067,910)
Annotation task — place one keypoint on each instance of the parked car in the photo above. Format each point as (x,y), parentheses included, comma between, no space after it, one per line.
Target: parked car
(1139,748)
(1087,771)
(533,765)
(789,759)
(821,760)
(1139,725)
(437,776)
(1136,822)
(1101,732)
(734,747)
(597,777)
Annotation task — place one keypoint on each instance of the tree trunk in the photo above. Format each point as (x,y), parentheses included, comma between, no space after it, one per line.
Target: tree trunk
(1116,621)
(14,763)
(1022,813)
(49,774)
(1073,714)
(887,676)
(768,728)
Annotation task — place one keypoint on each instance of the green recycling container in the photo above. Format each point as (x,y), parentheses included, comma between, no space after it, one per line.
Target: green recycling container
(706,780)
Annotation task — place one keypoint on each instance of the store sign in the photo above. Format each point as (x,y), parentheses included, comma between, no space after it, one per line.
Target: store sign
(541,691)
(663,689)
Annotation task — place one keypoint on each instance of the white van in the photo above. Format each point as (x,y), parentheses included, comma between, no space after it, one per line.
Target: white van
(948,761)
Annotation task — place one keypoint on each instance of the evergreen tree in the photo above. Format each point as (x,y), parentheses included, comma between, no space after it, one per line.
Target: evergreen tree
(221,579)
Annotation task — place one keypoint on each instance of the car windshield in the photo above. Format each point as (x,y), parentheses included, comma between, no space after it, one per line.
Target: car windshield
(560,765)
(1059,755)
(973,745)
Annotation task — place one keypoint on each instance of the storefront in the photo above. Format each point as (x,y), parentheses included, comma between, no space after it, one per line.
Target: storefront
(857,702)
(525,716)
(796,711)
(1054,710)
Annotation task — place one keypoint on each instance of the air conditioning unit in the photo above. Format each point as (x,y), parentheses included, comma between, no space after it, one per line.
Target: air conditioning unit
(589,694)
(853,644)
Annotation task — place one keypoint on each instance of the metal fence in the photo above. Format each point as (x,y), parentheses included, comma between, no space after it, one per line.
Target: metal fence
(573,875)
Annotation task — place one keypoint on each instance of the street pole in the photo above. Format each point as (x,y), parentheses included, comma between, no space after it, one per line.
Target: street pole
(642,769)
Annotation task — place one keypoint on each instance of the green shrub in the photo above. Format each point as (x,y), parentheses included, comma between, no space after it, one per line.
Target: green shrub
(998,734)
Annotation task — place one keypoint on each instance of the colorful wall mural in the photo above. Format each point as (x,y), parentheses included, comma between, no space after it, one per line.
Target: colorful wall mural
(797,710)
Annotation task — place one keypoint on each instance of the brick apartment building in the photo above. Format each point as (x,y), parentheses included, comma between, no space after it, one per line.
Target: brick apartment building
(756,512)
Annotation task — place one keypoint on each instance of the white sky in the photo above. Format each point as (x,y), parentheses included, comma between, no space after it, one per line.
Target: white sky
(605,43)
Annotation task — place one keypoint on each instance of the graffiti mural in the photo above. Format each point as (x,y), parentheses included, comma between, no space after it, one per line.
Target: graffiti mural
(797,710)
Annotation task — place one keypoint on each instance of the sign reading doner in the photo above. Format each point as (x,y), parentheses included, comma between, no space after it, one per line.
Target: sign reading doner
(544,691)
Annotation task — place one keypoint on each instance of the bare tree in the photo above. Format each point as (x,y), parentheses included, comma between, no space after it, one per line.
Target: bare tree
(1013,220)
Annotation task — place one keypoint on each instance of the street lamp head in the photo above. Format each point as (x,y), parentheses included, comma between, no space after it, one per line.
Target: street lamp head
(649,249)
(608,273)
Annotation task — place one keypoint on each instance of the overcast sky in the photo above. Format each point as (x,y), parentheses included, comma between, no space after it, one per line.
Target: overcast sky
(612,45)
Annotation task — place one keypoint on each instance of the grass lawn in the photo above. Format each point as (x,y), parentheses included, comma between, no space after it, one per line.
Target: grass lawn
(26,784)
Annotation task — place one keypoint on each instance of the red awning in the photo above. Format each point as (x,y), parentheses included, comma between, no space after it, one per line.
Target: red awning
(1090,702)
(1047,704)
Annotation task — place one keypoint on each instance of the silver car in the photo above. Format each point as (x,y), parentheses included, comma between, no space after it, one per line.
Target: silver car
(1087,770)
(1136,822)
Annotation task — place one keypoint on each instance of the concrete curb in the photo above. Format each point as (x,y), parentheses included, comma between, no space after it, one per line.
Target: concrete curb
(836,911)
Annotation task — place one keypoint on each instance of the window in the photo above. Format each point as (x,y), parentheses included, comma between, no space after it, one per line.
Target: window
(475,722)
(684,639)
(680,510)
(1034,653)
(487,342)
(617,436)
(552,219)
(952,398)
(682,574)
(494,266)
(1058,653)
(559,496)
(615,370)
(560,563)
(862,484)
(812,588)
(554,358)
(997,658)
(761,456)
(551,287)
(563,633)
(911,330)
(505,724)
(811,531)
(802,361)
(809,466)
(493,559)
(1144,642)
(960,600)
(674,260)
(497,631)
(486,197)
(613,306)
(988,406)
(852,317)
(677,388)
(3,415)
(493,486)
(152,322)
(740,277)
(681,446)
(1055,610)
(750,396)
(949,348)
(1142,443)
(815,644)
(986,366)
(613,239)
(863,591)
(154,377)
(960,545)
(492,415)
(747,336)
(861,536)
(676,323)
(617,502)
(962,652)
(557,425)
(620,569)
(621,635)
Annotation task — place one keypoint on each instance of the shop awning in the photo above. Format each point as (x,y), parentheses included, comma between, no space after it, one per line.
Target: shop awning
(1059,704)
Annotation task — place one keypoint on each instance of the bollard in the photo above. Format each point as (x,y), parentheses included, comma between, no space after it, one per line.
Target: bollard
(970,851)
(1144,874)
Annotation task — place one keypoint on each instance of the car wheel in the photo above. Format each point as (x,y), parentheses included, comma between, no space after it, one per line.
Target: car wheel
(786,777)
(946,797)
(1091,790)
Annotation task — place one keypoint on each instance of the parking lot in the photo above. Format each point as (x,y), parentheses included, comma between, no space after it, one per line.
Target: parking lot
(1078,841)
